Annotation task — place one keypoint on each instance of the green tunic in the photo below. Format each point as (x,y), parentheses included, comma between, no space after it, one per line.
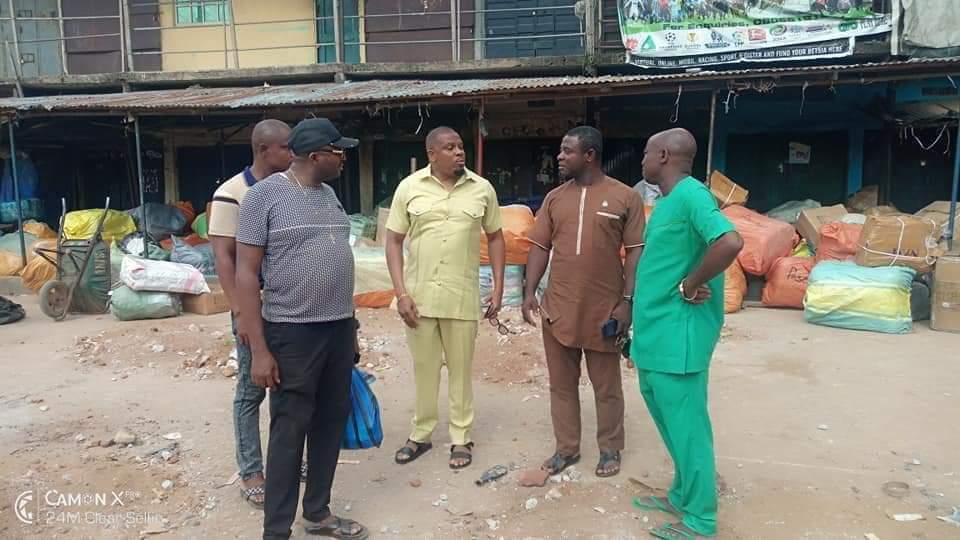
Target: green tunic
(670,335)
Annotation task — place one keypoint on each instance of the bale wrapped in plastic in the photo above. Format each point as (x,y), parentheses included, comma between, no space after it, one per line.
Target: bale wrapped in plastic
(517,221)
(130,305)
(790,210)
(787,282)
(764,239)
(734,288)
(846,295)
(512,285)
(162,220)
(132,244)
(372,287)
(200,257)
(162,276)
(82,224)
(39,270)
(838,241)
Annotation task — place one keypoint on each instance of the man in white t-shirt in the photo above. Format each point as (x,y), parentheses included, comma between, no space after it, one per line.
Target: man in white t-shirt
(270,155)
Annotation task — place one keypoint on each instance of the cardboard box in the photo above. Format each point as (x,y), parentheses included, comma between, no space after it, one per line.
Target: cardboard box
(382,215)
(811,219)
(726,190)
(901,240)
(209,303)
(945,306)
(939,212)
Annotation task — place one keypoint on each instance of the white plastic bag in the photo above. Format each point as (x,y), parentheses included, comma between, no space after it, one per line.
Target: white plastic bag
(162,276)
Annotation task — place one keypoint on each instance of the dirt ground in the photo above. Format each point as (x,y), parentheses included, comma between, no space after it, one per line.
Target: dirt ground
(810,423)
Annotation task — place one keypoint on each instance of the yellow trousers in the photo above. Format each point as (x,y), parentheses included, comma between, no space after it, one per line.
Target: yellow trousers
(433,343)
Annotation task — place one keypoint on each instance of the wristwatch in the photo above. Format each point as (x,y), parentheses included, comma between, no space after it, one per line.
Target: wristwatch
(628,298)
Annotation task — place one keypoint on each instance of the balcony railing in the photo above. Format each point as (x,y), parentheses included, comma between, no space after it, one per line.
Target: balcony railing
(444,31)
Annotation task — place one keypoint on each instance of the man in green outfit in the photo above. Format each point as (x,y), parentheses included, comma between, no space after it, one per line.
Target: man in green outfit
(677,313)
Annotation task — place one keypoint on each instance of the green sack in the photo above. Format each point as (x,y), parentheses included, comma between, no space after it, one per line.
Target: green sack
(130,305)
(199,225)
(92,294)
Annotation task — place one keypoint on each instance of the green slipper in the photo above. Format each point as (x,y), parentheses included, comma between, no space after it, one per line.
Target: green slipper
(656,503)
(676,531)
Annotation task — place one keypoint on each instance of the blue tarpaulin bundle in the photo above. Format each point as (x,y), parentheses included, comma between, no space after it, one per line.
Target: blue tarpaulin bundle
(363,429)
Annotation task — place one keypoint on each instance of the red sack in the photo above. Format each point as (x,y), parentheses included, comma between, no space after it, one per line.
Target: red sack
(764,239)
(787,282)
(838,241)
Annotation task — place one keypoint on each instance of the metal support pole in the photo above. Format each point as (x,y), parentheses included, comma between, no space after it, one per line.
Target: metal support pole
(126,39)
(226,48)
(15,66)
(590,28)
(143,195)
(479,29)
(63,41)
(952,220)
(453,32)
(711,135)
(16,192)
(338,31)
(233,30)
(15,35)
(480,141)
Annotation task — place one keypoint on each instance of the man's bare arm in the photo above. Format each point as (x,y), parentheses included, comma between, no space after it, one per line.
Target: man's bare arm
(405,304)
(225,255)
(537,261)
(497,248)
(718,258)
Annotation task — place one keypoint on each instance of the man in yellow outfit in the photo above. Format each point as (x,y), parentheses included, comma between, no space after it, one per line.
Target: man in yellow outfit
(443,208)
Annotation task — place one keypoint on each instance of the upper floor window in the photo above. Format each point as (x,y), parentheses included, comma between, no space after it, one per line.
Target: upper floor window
(201,12)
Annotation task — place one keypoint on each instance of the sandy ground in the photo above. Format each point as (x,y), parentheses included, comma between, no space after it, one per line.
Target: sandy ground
(810,423)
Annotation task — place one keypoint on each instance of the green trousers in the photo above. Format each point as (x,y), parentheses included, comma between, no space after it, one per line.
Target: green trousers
(678,405)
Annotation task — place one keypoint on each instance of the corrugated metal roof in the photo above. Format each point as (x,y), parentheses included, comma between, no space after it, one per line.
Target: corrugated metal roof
(380,91)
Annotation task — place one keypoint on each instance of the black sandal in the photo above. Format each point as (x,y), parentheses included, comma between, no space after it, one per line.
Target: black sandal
(406,454)
(466,455)
(607,458)
(558,462)
(337,528)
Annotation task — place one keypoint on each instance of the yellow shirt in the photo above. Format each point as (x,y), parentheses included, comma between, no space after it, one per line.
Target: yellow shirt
(442,270)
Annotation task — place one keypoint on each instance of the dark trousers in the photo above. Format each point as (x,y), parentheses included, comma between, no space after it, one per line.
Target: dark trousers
(603,368)
(313,401)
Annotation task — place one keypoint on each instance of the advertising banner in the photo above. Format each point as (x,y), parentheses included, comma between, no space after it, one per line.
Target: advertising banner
(691,33)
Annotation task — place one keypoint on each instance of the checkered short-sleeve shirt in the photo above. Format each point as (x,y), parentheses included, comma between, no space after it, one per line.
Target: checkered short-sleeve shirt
(307,263)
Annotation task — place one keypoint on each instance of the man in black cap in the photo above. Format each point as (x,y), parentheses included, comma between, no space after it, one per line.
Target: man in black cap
(303,334)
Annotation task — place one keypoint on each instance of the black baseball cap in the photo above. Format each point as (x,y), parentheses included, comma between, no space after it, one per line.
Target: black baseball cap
(313,134)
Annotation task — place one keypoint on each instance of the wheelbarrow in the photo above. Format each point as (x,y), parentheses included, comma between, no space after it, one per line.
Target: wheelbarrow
(73,259)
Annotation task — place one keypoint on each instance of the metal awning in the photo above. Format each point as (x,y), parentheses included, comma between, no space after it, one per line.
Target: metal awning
(386,92)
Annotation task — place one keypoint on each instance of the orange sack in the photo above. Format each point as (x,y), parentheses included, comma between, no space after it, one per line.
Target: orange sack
(764,239)
(734,288)
(787,282)
(838,241)
(517,221)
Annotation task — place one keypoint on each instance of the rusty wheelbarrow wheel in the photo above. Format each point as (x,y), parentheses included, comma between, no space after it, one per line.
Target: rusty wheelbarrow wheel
(53,299)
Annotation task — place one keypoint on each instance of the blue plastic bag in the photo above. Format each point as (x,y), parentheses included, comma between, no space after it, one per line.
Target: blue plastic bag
(363,429)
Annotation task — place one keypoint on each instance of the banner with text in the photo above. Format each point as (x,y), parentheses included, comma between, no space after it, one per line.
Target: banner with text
(691,33)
